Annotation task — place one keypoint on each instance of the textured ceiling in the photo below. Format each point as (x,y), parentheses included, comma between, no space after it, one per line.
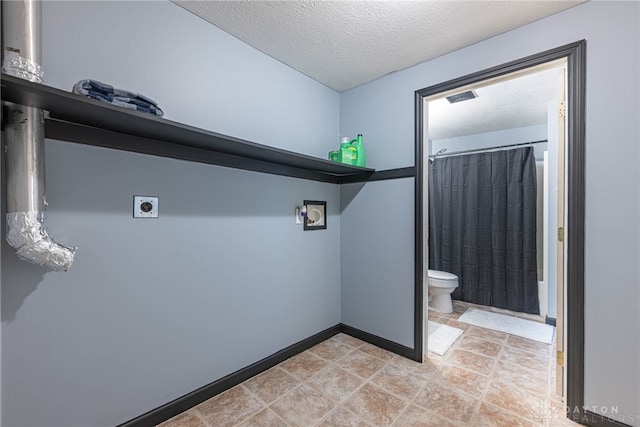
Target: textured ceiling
(515,103)
(343,44)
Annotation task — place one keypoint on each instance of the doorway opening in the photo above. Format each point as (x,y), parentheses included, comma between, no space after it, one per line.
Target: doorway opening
(442,143)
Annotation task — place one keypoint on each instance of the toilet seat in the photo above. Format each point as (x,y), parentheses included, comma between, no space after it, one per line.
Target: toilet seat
(442,275)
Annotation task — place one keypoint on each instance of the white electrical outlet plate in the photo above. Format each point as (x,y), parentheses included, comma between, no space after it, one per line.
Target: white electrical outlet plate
(145,207)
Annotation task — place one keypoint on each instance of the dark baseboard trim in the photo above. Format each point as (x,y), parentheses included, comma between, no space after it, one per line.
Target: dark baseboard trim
(181,404)
(408,172)
(189,400)
(550,320)
(592,419)
(391,346)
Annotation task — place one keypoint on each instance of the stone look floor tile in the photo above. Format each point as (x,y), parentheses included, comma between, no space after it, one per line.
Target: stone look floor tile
(230,407)
(458,310)
(398,380)
(462,380)
(492,416)
(186,419)
(348,340)
(534,382)
(437,360)
(552,414)
(529,345)
(271,384)
(526,359)
(446,402)
(514,399)
(422,370)
(472,361)
(341,417)
(304,406)
(479,345)
(415,416)
(375,405)
(264,418)
(304,365)
(331,349)
(361,364)
(435,316)
(335,383)
(376,352)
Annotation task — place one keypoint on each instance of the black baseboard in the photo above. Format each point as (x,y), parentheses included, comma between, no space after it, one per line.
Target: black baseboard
(380,342)
(550,320)
(592,419)
(188,401)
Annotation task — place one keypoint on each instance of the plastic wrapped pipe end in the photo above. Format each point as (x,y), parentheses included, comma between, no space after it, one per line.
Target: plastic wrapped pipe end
(27,235)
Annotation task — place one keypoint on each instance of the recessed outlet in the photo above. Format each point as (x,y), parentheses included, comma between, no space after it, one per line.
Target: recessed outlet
(145,207)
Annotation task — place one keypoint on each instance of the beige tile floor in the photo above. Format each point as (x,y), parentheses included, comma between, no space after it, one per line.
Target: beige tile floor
(487,378)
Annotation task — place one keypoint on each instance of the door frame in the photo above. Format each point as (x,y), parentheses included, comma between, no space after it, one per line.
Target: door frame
(575,54)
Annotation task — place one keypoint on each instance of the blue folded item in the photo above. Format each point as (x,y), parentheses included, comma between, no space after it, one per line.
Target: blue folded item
(107,93)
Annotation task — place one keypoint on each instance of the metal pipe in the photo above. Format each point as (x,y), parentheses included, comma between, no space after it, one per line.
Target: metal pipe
(24,142)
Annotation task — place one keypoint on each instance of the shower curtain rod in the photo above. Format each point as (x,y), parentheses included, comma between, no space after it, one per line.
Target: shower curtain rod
(480,150)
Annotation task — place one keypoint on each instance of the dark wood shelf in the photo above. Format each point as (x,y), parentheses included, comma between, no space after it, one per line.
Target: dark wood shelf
(82,120)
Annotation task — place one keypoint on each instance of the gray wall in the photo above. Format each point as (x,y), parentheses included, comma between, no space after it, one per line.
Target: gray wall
(383,111)
(199,74)
(377,258)
(154,309)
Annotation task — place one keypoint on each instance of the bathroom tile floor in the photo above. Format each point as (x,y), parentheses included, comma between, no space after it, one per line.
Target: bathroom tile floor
(487,378)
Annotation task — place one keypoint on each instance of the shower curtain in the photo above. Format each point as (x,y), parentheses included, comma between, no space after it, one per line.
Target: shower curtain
(482,226)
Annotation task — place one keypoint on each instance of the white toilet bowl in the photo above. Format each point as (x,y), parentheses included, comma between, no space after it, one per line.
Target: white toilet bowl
(441,285)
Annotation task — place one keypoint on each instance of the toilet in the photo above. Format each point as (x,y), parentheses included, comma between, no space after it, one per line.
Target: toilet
(441,285)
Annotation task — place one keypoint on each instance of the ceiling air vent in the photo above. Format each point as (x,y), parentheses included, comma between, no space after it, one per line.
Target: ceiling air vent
(463,96)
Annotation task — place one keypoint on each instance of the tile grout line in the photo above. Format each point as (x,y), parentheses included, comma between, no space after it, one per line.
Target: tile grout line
(483,395)
(331,363)
(430,378)
(497,358)
(364,382)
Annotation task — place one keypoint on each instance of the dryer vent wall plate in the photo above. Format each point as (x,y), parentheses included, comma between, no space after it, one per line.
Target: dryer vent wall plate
(145,207)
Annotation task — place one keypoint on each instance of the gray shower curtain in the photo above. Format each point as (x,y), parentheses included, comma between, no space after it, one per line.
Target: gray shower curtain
(482,226)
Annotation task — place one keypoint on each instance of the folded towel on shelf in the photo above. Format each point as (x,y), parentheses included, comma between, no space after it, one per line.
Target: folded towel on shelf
(107,93)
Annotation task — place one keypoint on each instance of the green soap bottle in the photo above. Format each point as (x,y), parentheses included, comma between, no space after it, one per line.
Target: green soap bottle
(361,157)
(348,152)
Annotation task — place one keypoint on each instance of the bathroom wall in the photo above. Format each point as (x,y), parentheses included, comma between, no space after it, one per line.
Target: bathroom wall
(494,139)
(154,309)
(383,111)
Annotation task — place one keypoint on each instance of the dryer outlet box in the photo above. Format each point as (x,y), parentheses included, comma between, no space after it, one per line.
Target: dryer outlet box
(145,207)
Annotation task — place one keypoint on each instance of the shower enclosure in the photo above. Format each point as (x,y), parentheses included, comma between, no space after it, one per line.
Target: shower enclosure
(482,226)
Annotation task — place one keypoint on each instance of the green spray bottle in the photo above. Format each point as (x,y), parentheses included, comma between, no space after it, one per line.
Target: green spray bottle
(361,157)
